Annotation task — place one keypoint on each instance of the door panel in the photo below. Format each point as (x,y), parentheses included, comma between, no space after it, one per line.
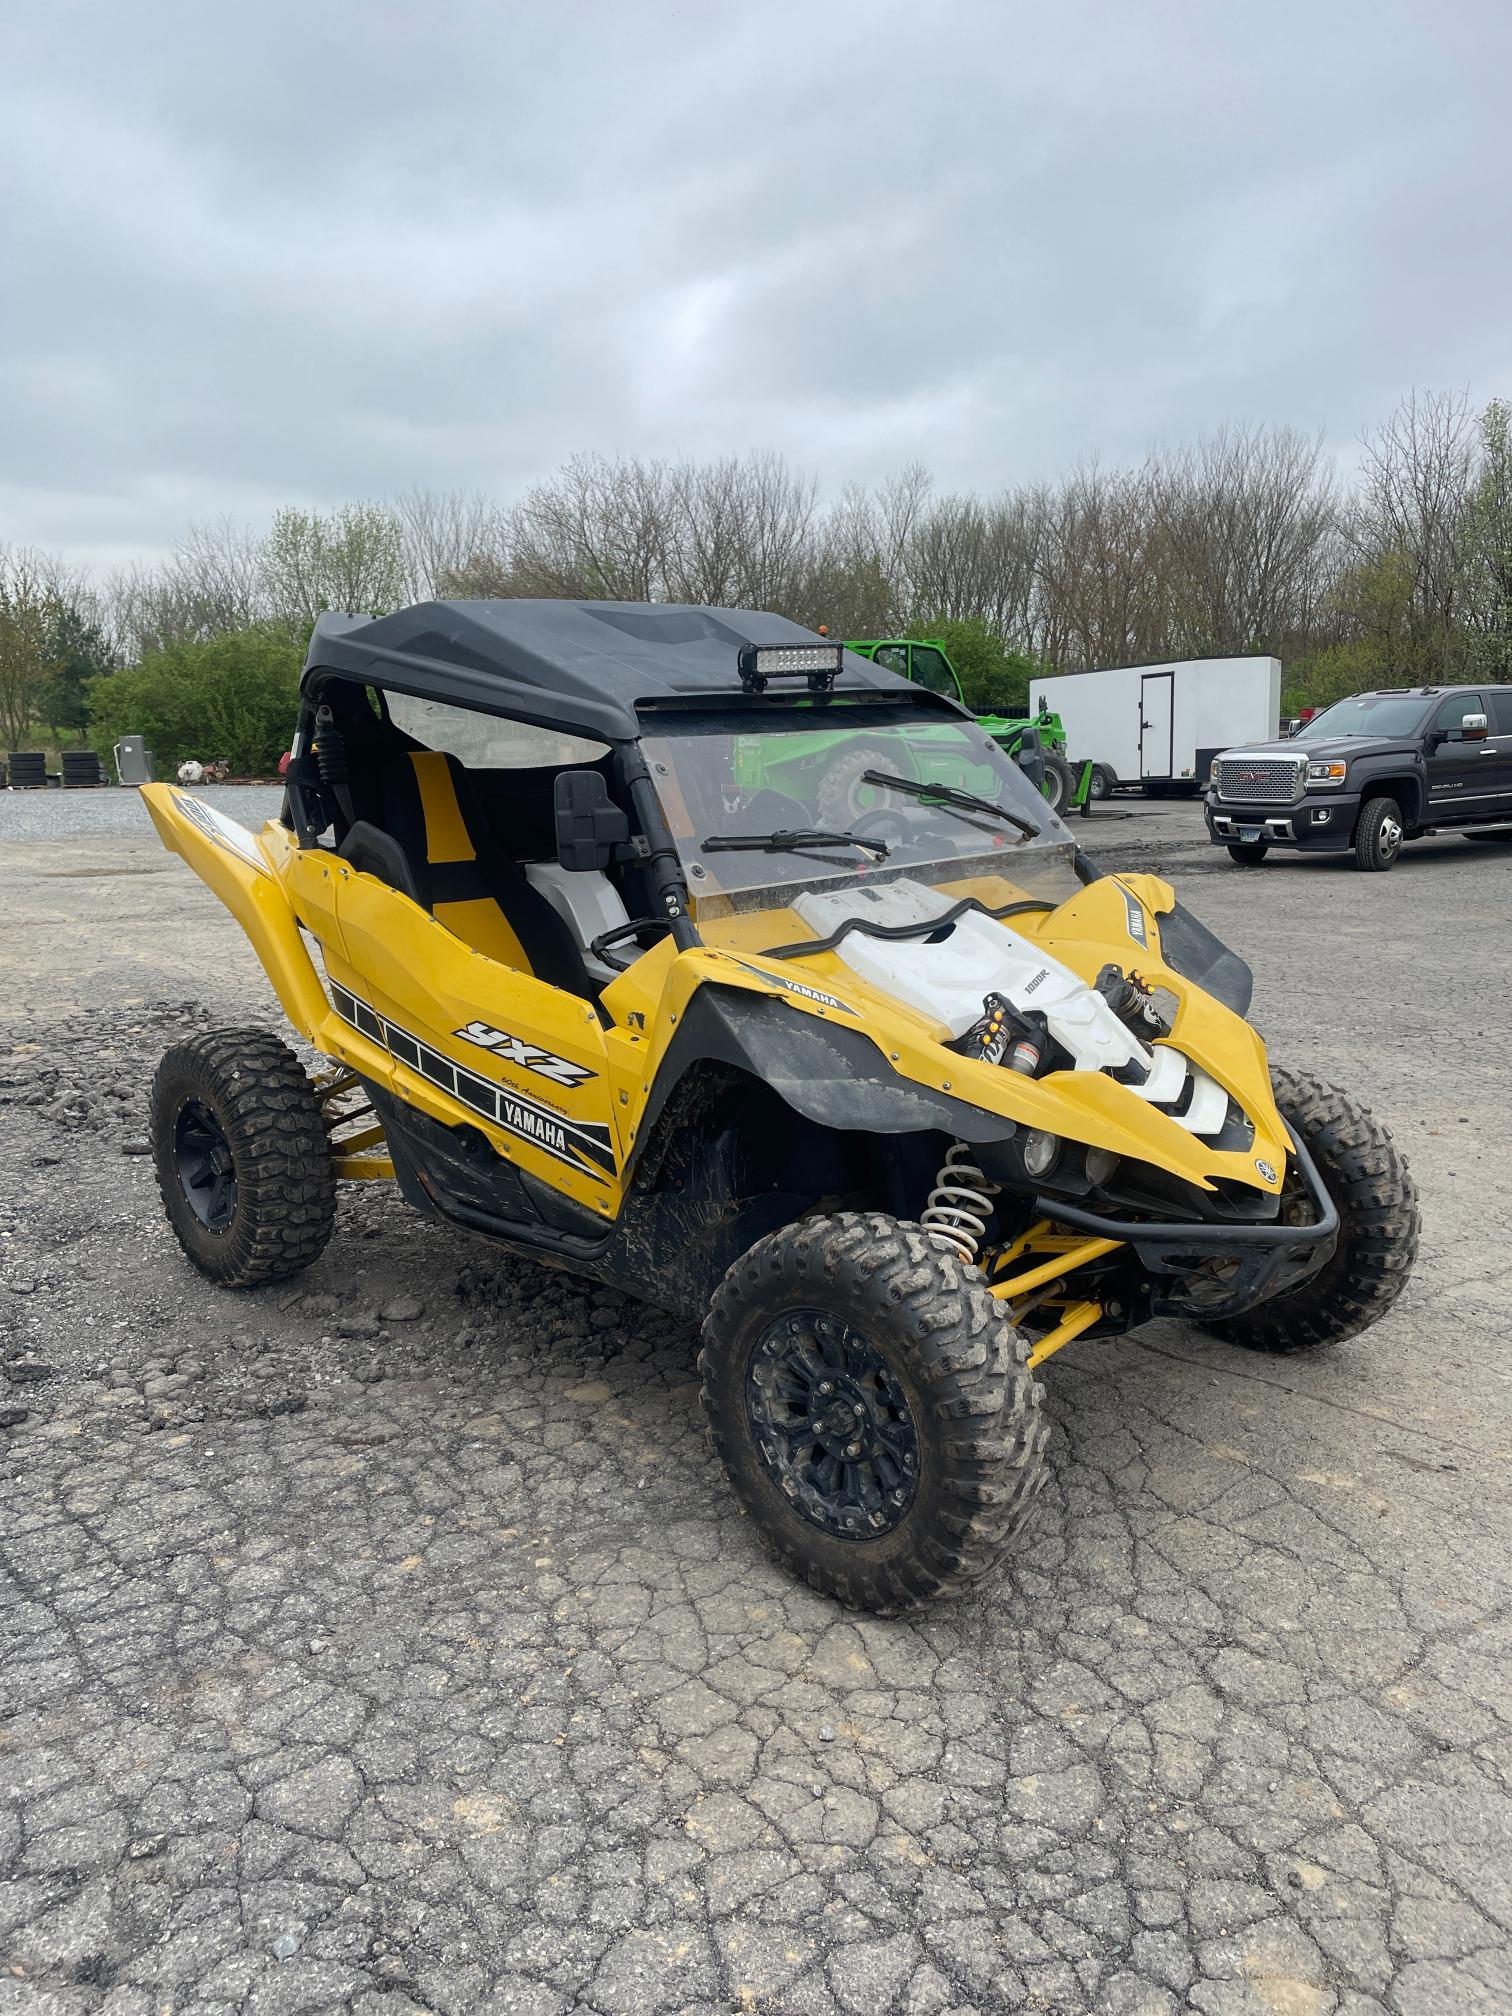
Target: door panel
(931,669)
(311,877)
(1463,781)
(1156,724)
(1499,715)
(477,1041)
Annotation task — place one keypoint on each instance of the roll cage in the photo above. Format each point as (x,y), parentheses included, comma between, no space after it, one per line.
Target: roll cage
(461,839)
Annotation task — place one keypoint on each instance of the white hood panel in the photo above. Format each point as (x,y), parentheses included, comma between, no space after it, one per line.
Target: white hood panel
(948,979)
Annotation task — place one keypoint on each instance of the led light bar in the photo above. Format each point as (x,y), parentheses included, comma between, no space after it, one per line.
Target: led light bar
(817,663)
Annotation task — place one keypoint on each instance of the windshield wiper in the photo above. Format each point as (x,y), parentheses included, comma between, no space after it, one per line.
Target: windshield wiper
(948,795)
(789,840)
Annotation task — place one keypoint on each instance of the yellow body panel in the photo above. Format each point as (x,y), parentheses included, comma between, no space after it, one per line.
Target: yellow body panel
(408,967)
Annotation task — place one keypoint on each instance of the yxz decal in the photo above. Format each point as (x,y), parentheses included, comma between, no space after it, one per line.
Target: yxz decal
(575,1142)
(529,1056)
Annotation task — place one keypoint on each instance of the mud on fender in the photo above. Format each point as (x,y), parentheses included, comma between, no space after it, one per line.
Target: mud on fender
(832,1075)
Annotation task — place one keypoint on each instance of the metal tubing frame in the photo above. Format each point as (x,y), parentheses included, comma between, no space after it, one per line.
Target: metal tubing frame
(1079,1316)
(1065,1254)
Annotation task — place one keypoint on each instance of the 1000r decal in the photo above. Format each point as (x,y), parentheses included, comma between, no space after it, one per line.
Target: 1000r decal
(578,1143)
(530,1056)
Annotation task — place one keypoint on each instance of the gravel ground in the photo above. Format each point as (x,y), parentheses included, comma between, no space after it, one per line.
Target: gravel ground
(50,816)
(389,1640)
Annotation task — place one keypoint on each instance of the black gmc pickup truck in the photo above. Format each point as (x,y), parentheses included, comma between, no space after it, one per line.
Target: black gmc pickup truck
(1370,772)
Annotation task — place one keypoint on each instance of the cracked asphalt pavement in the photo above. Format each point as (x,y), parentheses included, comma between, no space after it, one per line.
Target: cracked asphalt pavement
(389,1640)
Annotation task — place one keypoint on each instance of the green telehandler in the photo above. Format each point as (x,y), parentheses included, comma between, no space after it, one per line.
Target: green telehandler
(1036,742)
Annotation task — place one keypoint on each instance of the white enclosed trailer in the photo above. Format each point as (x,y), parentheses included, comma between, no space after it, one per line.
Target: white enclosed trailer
(1162,725)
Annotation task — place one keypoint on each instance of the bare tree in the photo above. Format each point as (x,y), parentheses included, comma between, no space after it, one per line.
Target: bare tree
(1412,513)
(1101,596)
(441,532)
(211,584)
(1240,542)
(1242,526)
(596,529)
(29,607)
(1488,586)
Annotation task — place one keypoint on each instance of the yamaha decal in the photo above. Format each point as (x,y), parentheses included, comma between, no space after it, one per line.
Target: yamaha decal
(578,1143)
(796,987)
(1135,917)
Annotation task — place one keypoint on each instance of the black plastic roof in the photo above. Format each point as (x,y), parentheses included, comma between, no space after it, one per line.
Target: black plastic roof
(582,665)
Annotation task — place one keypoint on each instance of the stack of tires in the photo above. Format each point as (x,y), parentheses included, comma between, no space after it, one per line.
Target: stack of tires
(81,768)
(28,769)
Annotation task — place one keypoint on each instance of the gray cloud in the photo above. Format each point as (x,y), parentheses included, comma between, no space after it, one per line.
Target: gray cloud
(312,252)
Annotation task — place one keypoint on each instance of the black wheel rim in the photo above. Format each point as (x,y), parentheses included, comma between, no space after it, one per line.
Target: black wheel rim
(832,1425)
(206,1171)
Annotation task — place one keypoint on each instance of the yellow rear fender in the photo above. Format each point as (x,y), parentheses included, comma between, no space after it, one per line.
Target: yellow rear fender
(236,865)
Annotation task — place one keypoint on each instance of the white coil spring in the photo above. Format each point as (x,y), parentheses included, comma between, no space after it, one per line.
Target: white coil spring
(960,1204)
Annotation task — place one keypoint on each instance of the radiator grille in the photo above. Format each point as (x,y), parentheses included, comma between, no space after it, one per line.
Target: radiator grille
(1259,780)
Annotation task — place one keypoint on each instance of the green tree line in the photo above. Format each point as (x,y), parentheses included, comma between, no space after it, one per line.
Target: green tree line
(1396,568)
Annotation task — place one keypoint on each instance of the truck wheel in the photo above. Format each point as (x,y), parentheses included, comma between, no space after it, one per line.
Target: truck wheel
(873,1408)
(1104,778)
(243,1160)
(1378,837)
(841,797)
(1059,783)
(1248,853)
(1378,1226)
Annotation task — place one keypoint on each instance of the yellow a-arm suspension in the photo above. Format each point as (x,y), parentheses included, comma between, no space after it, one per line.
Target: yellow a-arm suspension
(1038,1284)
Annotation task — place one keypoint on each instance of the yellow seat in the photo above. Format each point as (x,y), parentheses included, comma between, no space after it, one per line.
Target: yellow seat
(461,899)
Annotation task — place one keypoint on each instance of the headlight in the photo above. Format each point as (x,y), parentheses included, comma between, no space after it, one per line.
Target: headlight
(1041,1152)
(1326,773)
(1101,1162)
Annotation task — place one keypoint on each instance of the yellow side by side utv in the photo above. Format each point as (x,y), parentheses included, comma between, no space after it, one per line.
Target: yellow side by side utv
(894,1109)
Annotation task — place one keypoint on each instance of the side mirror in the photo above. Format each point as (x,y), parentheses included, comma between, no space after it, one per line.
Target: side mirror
(589,827)
(1473,728)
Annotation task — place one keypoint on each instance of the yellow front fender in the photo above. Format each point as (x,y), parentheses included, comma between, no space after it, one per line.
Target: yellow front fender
(233,863)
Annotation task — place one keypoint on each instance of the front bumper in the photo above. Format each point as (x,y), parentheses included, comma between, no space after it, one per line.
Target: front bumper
(1206,1271)
(1322,822)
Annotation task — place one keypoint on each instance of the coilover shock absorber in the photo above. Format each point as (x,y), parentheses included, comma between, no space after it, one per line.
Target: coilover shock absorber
(331,761)
(960,1204)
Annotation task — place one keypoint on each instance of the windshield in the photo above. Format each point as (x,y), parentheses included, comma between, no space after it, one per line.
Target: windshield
(1366,714)
(811,791)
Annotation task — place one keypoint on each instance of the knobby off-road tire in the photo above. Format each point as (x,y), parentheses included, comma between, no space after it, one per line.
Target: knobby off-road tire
(863,1287)
(841,797)
(1059,782)
(1248,853)
(1378,836)
(243,1161)
(1378,1225)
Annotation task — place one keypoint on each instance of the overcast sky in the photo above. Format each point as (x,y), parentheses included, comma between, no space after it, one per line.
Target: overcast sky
(276,253)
